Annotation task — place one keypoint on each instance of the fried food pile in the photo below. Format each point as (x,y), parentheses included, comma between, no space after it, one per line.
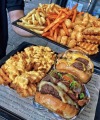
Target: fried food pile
(56,81)
(35,20)
(74,29)
(87,34)
(25,69)
(68,27)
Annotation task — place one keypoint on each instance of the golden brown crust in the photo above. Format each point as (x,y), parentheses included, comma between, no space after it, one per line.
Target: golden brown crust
(89,52)
(25,69)
(29,91)
(84,77)
(4,76)
(1,80)
(67,63)
(56,105)
(92,31)
(87,46)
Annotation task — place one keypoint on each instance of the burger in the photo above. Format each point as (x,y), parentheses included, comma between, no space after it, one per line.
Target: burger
(77,64)
(61,93)
(63,90)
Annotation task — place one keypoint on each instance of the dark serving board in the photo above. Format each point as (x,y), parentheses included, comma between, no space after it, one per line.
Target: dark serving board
(95,58)
(7,114)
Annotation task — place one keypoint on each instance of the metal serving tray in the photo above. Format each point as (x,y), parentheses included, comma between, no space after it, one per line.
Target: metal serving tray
(12,116)
(95,58)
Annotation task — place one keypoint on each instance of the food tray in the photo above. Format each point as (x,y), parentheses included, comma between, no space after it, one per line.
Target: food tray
(95,58)
(4,111)
(56,116)
(10,115)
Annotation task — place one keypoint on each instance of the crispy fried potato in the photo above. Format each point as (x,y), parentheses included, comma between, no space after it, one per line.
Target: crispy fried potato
(37,31)
(62,32)
(59,39)
(68,23)
(71,43)
(4,77)
(54,22)
(64,40)
(85,19)
(87,46)
(1,80)
(25,69)
(90,52)
(92,31)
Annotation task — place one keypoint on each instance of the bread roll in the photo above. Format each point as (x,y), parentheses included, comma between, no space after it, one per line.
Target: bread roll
(84,77)
(76,63)
(55,105)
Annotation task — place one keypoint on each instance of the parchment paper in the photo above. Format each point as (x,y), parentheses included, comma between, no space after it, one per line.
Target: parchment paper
(24,106)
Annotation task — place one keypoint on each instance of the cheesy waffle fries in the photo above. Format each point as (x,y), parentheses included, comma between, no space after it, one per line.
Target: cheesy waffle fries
(25,69)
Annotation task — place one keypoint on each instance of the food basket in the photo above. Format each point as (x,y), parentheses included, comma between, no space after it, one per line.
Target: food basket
(8,114)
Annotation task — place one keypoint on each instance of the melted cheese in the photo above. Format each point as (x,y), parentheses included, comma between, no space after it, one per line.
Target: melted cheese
(55,87)
(62,86)
(71,58)
(64,97)
(21,81)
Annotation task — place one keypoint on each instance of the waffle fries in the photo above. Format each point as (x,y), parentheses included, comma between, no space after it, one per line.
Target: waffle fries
(25,69)
(92,31)
(88,47)
(89,52)
(87,34)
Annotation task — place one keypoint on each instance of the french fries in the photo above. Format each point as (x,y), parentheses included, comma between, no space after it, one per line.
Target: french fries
(35,20)
(63,25)
(60,23)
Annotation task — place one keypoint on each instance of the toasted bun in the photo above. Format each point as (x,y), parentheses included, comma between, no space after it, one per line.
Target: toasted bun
(67,64)
(84,77)
(56,105)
